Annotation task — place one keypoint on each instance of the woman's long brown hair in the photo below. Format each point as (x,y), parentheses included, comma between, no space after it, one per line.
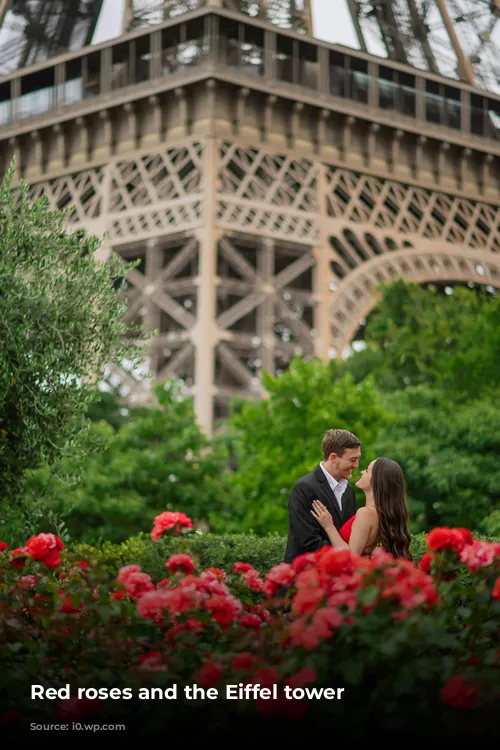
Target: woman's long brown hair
(390,501)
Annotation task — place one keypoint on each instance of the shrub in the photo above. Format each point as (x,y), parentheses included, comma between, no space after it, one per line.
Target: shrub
(209,549)
(263,552)
(386,631)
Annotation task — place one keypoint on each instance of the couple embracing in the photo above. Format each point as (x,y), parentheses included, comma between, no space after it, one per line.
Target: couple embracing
(322,506)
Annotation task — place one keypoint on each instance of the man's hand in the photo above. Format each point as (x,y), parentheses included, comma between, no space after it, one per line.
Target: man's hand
(322,516)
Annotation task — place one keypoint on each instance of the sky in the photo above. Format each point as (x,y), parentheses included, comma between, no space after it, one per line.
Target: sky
(331,21)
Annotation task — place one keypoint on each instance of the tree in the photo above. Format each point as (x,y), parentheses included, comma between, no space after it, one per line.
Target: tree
(275,441)
(449,456)
(158,460)
(111,407)
(61,323)
(419,336)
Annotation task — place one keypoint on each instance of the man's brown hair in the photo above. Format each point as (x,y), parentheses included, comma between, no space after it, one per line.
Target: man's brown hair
(337,441)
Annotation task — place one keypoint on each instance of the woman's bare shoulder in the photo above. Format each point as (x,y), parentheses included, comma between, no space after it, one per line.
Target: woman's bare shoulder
(367,513)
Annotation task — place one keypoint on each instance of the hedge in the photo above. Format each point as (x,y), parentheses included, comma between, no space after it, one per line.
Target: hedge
(210,550)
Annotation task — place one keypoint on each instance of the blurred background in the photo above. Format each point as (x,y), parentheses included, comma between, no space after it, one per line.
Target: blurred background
(308,196)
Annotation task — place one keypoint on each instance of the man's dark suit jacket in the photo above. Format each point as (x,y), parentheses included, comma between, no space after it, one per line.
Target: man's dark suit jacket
(304,532)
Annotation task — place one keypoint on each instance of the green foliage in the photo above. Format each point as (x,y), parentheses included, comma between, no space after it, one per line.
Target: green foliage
(491,524)
(210,550)
(449,455)
(419,336)
(110,407)
(60,324)
(159,460)
(277,440)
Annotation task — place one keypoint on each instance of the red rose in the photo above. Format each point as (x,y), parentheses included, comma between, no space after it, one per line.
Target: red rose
(152,603)
(465,535)
(282,574)
(39,546)
(217,572)
(138,584)
(52,559)
(426,561)
(303,635)
(458,693)
(180,562)
(303,560)
(242,567)
(325,620)
(253,580)
(3,547)
(307,600)
(304,677)
(152,661)
(334,562)
(496,589)
(479,555)
(11,716)
(169,520)
(124,572)
(27,582)
(307,578)
(242,661)
(77,708)
(266,677)
(18,557)
(209,674)
(68,607)
(224,609)
(445,538)
(250,621)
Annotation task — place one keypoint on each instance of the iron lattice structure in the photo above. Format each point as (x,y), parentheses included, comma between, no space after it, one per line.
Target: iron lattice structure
(39,29)
(456,38)
(293,14)
(265,183)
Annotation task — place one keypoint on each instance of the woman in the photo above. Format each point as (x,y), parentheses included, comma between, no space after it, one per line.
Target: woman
(382,521)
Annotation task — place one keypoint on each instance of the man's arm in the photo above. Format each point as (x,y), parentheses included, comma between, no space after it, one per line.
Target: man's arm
(304,527)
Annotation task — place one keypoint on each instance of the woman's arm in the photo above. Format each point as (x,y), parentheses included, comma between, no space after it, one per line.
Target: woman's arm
(360,532)
(324,518)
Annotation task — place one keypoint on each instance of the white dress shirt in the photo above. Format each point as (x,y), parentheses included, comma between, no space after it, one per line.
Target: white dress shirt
(338,488)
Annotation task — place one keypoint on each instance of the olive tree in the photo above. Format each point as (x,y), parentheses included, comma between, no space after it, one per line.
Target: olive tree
(61,323)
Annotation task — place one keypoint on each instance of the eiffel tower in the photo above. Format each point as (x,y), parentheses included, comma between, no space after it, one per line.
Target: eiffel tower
(266,181)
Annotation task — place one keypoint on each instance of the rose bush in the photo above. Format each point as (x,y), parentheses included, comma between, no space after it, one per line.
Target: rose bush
(407,643)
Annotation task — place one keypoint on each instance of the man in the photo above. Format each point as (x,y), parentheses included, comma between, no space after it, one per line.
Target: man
(327,482)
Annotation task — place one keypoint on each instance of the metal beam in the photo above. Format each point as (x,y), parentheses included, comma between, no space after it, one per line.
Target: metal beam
(419,30)
(353,9)
(128,12)
(4,6)
(308,17)
(393,43)
(465,68)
